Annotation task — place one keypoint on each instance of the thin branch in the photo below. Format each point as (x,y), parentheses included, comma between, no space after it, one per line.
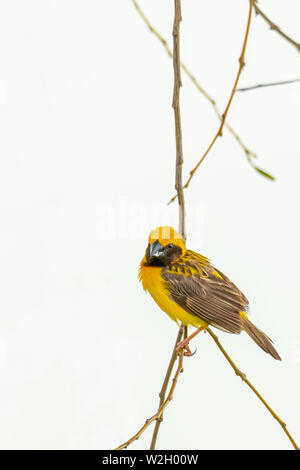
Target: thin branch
(161,409)
(244,378)
(164,387)
(177,116)
(263,85)
(158,417)
(178,178)
(219,132)
(249,153)
(276,28)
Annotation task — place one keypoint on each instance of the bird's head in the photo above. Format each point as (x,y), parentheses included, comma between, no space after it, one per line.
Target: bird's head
(165,246)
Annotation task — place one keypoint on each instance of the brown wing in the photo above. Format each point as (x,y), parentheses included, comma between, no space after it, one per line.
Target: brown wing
(205,292)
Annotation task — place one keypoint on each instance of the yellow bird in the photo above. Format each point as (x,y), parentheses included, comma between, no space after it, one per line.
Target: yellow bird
(191,291)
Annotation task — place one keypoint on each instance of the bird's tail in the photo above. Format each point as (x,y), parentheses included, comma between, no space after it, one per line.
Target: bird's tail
(263,341)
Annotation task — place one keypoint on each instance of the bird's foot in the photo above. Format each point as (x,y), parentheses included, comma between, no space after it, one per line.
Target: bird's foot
(185,345)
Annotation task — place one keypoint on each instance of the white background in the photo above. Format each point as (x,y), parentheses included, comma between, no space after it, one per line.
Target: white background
(87,164)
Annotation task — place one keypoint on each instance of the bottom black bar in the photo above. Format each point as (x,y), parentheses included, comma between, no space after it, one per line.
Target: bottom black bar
(126,459)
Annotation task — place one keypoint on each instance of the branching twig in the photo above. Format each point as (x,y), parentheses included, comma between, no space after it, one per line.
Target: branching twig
(244,378)
(264,85)
(274,27)
(158,414)
(249,153)
(219,132)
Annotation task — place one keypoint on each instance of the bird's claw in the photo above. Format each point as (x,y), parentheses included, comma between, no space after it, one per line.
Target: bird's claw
(189,353)
(185,345)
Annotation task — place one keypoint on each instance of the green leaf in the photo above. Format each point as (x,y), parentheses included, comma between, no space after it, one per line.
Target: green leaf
(264,173)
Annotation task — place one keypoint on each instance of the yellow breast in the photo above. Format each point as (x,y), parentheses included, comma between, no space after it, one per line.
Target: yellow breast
(153,282)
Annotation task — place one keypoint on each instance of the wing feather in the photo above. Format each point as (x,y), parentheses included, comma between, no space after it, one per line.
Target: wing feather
(207,293)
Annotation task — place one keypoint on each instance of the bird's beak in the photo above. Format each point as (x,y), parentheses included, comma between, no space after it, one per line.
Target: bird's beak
(156,249)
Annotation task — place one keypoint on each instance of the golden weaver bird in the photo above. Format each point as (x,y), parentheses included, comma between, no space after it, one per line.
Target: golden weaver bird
(190,290)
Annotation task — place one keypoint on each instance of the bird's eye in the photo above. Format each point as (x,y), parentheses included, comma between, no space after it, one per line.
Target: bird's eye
(170,245)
